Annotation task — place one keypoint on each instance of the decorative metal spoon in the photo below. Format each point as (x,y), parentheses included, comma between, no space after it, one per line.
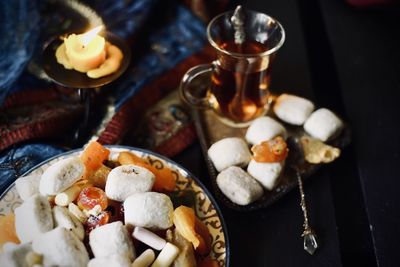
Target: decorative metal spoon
(237,21)
(296,160)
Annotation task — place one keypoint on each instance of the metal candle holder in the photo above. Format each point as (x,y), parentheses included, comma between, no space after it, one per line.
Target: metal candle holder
(80,81)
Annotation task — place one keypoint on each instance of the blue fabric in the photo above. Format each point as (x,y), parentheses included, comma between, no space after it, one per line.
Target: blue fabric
(171,44)
(19,31)
(17,160)
(180,35)
(124,17)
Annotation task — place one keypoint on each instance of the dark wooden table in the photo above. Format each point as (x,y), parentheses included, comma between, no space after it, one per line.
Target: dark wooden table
(348,60)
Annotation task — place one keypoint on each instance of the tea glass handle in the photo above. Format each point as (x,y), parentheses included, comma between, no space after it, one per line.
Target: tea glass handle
(188,93)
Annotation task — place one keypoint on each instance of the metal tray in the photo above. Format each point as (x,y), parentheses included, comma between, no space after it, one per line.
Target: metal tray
(210,129)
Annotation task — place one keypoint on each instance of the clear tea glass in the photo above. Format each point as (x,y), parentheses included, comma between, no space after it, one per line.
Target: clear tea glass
(241,73)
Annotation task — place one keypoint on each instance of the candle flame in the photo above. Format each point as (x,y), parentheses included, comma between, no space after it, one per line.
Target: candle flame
(88,36)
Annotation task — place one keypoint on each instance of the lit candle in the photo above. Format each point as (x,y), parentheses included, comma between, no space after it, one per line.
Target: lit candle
(85,51)
(110,65)
(89,53)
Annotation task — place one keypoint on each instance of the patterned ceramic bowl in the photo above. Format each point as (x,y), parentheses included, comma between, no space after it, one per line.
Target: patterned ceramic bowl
(205,206)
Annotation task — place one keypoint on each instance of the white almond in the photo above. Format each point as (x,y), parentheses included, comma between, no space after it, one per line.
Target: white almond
(63,218)
(77,212)
(166,256)
(70,194)
(149,238)
(145,259)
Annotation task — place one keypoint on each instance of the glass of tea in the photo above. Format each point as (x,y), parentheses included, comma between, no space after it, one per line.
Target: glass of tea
(246,43)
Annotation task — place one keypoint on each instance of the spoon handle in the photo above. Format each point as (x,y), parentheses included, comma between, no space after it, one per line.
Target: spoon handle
(310,239)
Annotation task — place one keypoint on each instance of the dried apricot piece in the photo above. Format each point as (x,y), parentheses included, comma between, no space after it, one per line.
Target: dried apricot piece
(204,247)
(184,221)
(273,150)
(191,228)
(99,177)
(7,230)
(94,155)
(165,180)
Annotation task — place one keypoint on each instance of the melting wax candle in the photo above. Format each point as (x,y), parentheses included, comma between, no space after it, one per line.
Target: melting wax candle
(83,52)
(89,53)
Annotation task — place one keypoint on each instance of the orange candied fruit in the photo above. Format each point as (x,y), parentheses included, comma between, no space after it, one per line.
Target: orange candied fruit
(273,150)
(91,196)
(7,230)
(192,229)
(94,155)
